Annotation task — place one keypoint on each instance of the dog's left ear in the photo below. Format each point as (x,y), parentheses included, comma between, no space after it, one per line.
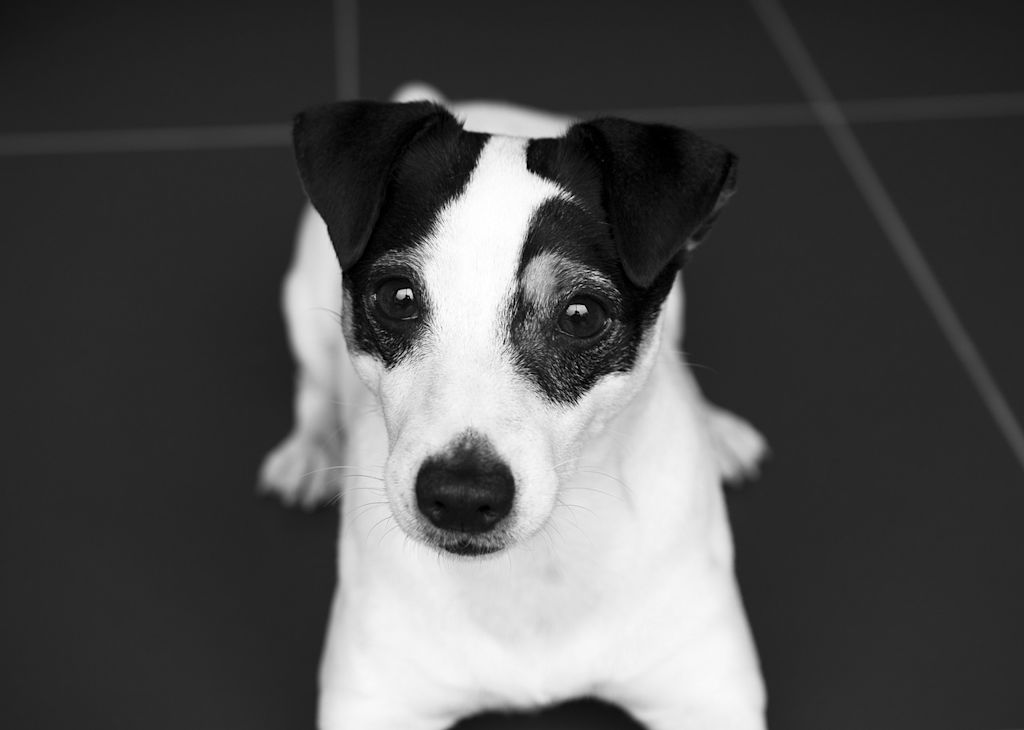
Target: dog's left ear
(661,187)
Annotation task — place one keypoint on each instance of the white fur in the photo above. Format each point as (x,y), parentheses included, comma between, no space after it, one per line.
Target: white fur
(617,579)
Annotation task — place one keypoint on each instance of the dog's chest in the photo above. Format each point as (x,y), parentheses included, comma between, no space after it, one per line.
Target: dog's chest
(533,632)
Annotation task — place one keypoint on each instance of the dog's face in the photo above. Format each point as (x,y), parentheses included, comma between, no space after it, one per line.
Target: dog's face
(501,295)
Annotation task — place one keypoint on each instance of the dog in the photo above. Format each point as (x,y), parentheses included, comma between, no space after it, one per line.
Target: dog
(485,306)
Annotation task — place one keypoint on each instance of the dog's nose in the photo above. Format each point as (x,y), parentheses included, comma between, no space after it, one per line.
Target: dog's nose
(468,489)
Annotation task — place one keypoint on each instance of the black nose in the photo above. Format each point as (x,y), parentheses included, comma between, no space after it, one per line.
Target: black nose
(468,489)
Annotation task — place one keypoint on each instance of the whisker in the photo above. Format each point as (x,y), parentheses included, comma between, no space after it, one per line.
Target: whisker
(543,532)
(354,488)
(340,489)
(341,466)
(574,523)
(333,312)
(339,402)
(591,489)
(359,510)
(690,363)
(386,533)
(554,526)
(366,410)
(571,506)
(560,464)
(344,489)
(377,524)
(598,472)
(557,565)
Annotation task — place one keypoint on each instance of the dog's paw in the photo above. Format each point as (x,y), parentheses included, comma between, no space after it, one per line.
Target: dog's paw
(301,471)
(739,447)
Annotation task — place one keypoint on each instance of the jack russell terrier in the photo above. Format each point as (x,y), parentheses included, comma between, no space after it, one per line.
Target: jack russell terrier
(490,385)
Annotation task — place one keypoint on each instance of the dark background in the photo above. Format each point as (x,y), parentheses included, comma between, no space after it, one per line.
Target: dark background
(147,203)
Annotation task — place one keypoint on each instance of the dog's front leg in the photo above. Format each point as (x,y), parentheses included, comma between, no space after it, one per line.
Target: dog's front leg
(385,665)
(677,699)
(706,674)
(302,469)
(351,712)
(377,691)
(716,718)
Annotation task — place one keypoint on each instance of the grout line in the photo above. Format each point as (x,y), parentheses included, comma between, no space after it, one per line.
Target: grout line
(157,139)
(738,116)
(861,111)
(346,49)
(922,108)
(836,125)
(717,117)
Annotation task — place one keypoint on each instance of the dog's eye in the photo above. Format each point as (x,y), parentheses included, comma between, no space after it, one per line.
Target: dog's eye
(396,299)
(583,318)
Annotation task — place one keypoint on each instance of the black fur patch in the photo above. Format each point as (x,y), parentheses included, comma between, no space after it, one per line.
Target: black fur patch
(659,187)
(645,194)
(346,153)
(563,367)
(431,173)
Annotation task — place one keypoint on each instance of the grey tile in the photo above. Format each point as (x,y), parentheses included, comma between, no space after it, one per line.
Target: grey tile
(142,576)
(97,64)
(913,47)
(957,184)
(876,553)
(574,55)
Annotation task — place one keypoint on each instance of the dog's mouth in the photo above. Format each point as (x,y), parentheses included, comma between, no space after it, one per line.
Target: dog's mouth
(469,548)
(465,545)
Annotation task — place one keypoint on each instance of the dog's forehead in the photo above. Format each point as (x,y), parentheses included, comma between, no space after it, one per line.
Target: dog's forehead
(485,226)
(475,248)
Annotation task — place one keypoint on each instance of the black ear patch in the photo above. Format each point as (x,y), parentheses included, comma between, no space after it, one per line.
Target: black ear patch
(346,153)
(660,188)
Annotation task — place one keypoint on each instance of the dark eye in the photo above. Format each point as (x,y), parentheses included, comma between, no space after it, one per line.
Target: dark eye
(583,318)
(397,299)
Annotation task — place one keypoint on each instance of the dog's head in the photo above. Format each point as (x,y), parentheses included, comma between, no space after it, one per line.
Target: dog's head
(501,295)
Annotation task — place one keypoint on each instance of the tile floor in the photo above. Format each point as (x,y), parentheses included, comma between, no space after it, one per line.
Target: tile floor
(148,203)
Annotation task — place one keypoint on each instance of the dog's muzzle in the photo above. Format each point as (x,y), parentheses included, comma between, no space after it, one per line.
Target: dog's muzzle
(465,493)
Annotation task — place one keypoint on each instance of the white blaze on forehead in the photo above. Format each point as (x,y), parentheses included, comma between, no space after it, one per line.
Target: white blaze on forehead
(474,251)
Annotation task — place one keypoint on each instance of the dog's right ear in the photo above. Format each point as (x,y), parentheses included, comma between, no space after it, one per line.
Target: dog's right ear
(346,153)
(660,187)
